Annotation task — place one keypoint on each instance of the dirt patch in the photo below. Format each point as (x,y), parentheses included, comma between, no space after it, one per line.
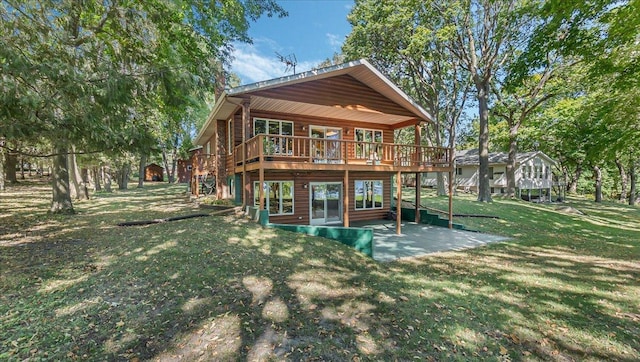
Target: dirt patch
(569,210)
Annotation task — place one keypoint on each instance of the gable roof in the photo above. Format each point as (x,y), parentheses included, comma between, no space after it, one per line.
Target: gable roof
(471,157)
(354,91)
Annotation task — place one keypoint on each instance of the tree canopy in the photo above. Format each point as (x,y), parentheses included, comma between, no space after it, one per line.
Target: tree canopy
(94,74)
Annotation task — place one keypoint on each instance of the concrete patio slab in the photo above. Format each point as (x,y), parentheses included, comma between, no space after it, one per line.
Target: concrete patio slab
(421,239)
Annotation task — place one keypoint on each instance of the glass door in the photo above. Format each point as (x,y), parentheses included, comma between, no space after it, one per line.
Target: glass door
(326,203)
(323,149)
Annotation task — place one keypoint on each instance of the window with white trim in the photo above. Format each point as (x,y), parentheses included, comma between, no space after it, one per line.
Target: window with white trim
(208,150)
(278,196)
(368,194)
(368,142)
(275,143)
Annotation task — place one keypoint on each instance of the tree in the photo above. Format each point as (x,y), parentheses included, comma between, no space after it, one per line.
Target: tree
(83,73)
(401,38)
(603,35)
(484,36)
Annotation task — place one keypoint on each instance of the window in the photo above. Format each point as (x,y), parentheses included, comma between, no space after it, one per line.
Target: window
(368,194)
(538,171)
(527,171)
(278,197)
(368,143)
(546,172)
(490,173)
(325,145)
(276,128)
(459,171)
(208,152)
(230,136)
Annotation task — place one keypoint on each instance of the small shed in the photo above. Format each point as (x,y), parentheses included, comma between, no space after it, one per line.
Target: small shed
(154,172)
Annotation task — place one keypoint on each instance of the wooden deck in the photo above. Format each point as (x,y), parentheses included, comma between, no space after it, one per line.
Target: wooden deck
(305,153)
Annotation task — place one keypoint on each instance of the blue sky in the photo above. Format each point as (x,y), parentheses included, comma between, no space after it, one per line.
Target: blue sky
(313,31)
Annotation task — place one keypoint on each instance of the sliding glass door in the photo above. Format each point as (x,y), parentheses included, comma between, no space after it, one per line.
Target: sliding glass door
(326,203)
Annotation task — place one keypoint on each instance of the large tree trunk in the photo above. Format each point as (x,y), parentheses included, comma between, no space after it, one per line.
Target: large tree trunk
(511,162)
(623,180)
(78,187)
(96,179)
(2,165)
(122,176)
(484,189)
(174,165)
(598,178)
(107,178)
(11,161)
(572,185)
(85,182)
(632,176)
(141,175)
(61,201)
(169,167)
(22,168)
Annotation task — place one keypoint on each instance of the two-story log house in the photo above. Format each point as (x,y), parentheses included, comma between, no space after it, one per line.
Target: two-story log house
(321,144)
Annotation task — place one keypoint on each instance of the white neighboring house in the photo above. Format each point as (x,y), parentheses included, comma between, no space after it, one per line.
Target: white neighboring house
(533,173)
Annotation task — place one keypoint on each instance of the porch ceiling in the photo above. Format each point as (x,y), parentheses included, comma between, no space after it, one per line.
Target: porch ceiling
(356,114)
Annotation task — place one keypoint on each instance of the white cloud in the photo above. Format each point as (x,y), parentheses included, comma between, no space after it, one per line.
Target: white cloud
(252,65)
(335,41)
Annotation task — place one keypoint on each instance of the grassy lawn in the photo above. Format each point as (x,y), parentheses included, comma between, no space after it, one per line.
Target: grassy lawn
(565,287)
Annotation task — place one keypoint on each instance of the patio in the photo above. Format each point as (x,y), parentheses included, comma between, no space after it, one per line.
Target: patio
(420,239)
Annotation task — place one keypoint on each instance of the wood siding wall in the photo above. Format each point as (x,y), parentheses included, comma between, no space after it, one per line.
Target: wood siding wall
(341,91)
(302,124)
(301,194)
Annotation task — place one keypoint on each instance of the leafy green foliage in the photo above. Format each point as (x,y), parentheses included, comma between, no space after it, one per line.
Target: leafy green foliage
(113,76)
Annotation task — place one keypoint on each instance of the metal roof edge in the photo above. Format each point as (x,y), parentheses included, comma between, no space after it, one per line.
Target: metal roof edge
(289,78)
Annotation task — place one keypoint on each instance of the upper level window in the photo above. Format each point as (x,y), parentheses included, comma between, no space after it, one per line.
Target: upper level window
(208,151)
(279,140)
(368,143)
(459,171)
(490,173)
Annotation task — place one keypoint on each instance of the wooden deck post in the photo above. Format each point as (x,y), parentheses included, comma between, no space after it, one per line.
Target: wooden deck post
(450,199)
(245,121)
(261,188)
(451,173)
(399,203)
(418,141)
(345,200)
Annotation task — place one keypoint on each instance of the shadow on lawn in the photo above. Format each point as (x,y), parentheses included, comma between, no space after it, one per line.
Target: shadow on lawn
(221,289)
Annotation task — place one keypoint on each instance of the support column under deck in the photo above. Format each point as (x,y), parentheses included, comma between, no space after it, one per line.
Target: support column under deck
(450,199)
(245,122)
(398,203)
(345,200)
(417,140)
(261,188)
(418,196)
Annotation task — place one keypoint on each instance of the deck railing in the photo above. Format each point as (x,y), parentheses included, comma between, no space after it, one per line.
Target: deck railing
(337,151)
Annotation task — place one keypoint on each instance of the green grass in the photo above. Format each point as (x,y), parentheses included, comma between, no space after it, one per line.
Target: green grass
(564,287)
